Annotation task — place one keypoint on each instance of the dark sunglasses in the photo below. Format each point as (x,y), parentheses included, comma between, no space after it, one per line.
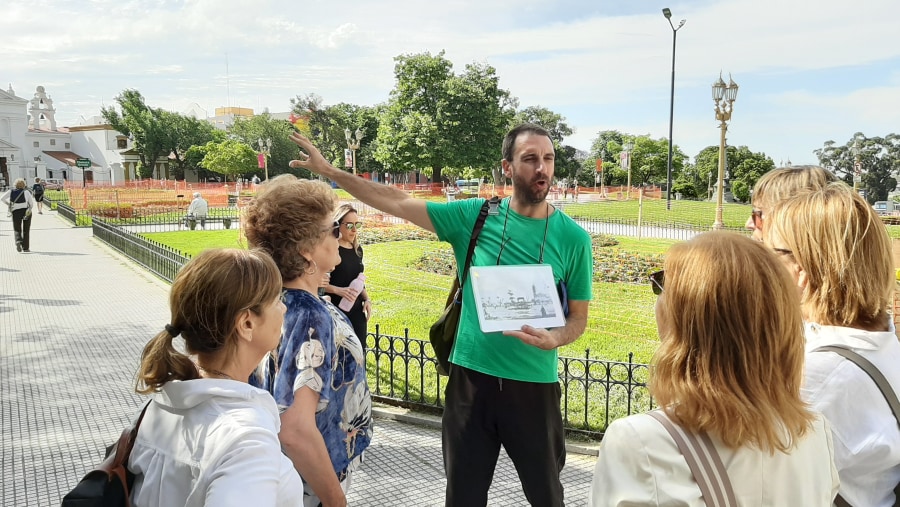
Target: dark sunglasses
(335,229)
(657,281)
(353,226)
(757,216)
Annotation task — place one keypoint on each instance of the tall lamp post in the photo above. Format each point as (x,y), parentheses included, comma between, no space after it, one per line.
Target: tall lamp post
(668,14)
(857,166)
(353,141)
(265,147)
(724,97)
(627,146)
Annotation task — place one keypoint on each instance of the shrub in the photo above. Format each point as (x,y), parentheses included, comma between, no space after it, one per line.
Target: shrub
(380,232)
(108,209)
(624,267)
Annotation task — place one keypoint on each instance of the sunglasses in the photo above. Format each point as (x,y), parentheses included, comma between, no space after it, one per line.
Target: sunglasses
(353,226)
(657,281)
(335,229)
(757,216)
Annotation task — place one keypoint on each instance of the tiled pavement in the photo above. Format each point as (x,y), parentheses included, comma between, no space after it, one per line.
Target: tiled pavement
(73,318)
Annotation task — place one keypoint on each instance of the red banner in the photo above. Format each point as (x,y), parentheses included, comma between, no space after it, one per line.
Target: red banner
(261,158)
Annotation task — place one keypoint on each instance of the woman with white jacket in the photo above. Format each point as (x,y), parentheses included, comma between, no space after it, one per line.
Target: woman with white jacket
(209,437)
(20,203)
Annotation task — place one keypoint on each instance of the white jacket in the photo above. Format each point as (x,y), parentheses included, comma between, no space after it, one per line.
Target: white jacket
(26,203)
(212,442)
(865,432)
(640,465)
(199,207)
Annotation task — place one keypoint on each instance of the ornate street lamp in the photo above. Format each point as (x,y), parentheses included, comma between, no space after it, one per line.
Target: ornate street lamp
(668,14)
(627,146)
(353,141)
(724,97)
(265,147)
(857,165)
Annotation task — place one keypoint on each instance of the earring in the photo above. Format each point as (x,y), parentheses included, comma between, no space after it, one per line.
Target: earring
(314,266)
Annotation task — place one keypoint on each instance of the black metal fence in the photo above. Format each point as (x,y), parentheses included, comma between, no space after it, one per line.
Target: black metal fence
(156,257)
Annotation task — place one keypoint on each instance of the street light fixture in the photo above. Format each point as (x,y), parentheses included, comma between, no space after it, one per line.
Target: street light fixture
(857,165)
(627,146)
(265,146)
(353,141)
(668,14)
(724,97)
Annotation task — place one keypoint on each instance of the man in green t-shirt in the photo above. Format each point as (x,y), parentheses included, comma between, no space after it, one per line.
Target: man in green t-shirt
(504,387)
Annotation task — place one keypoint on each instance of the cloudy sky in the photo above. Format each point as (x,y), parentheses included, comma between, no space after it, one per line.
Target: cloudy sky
(808,71)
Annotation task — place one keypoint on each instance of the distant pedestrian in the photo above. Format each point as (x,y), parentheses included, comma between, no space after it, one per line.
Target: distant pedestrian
(20,203)
(198,209)
(37,191)
(208,437)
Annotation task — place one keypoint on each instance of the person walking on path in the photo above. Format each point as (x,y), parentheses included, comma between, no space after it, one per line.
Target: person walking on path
(348,270)
(317,375)
(208,437)
(20,203)
(198,209)
(38,191)
(503,387)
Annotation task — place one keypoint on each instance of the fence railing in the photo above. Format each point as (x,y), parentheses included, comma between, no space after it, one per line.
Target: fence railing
(156,257)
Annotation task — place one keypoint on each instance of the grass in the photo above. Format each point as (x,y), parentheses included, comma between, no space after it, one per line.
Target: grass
(190,243)
(644,246)
(683,213)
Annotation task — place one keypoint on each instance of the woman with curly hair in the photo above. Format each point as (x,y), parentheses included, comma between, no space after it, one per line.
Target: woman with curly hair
(317,375)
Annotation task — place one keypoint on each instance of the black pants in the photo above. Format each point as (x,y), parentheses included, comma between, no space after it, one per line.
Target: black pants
(481,413)
(21,227)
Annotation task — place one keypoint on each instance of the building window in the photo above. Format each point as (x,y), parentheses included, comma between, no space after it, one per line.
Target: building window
(121,144)
(68,145)
(53,142)
(37,144)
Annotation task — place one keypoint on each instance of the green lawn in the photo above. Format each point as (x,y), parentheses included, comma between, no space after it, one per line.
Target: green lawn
(191,243)
(683,213)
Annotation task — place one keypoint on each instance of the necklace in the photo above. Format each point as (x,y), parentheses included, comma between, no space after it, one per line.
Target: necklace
(504,240)
(215,372)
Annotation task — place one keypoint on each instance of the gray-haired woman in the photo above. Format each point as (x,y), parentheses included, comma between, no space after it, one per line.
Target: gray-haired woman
(20,203)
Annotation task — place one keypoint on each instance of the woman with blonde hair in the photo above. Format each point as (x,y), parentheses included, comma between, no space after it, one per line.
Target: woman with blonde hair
(350,267)
(20,203)
(839,254)
(779,184)
(208,437)
(723,371)
(317,375)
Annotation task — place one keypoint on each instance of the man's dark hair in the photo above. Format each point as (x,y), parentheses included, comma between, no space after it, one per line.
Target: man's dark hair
(510,140)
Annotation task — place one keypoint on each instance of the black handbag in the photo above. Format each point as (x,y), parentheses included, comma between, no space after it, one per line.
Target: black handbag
(443,332)
(108,485)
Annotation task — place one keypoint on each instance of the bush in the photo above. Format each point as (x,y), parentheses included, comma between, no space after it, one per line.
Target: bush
(108,209)
(740,190)
(624,267)
(380,232)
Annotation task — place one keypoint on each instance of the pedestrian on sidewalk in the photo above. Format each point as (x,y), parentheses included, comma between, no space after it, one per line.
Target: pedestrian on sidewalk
(37,191)
(20,203)
(208,437)
(504,386)
(317,375)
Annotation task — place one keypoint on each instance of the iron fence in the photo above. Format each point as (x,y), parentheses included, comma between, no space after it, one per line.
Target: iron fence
(156,257)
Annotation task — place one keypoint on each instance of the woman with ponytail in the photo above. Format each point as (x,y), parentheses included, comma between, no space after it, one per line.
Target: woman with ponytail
(208,437)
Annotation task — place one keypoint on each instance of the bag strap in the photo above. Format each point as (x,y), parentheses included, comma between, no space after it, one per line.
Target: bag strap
(880,381)
(704,461)
(479,224)
(118,463)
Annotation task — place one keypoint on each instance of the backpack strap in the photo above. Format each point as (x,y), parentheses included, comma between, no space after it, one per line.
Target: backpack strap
(479,224)
(704,461)
(883,385)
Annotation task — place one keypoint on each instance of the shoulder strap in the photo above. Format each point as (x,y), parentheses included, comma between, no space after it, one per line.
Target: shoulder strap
(704,461)
(479,224)
(883,385)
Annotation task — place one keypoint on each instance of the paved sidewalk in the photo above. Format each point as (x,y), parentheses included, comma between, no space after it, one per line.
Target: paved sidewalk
(74,316)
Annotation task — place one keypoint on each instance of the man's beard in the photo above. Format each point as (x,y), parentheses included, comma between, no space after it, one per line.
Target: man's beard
(526,190)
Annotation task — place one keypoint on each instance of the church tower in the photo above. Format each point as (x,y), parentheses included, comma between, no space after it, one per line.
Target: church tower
(42,110)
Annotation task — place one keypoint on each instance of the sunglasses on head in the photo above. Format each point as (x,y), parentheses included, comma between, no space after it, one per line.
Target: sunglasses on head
(757,216)
(657,281)
(353,226)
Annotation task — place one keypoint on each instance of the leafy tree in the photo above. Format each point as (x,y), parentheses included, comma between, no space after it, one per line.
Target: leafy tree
(436,119)
(740,190)
(230,158)
(553,122)
(185,132)
(147,126)
(649,157)
(685,187)
(742,165)
(879,159)
(327,125)
(251,129)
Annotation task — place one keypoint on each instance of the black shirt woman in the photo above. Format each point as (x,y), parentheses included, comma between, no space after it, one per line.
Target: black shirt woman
(350,267)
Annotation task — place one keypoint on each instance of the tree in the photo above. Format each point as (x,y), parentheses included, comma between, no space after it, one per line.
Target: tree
(262,126)
(553,122)
(328,123)
(230,158)
(879,159)
(147,127)
(435,119)
(184,132)
(741,164)
(649,157)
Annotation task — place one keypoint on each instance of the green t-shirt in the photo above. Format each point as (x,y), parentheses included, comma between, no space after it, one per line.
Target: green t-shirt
(568,252)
